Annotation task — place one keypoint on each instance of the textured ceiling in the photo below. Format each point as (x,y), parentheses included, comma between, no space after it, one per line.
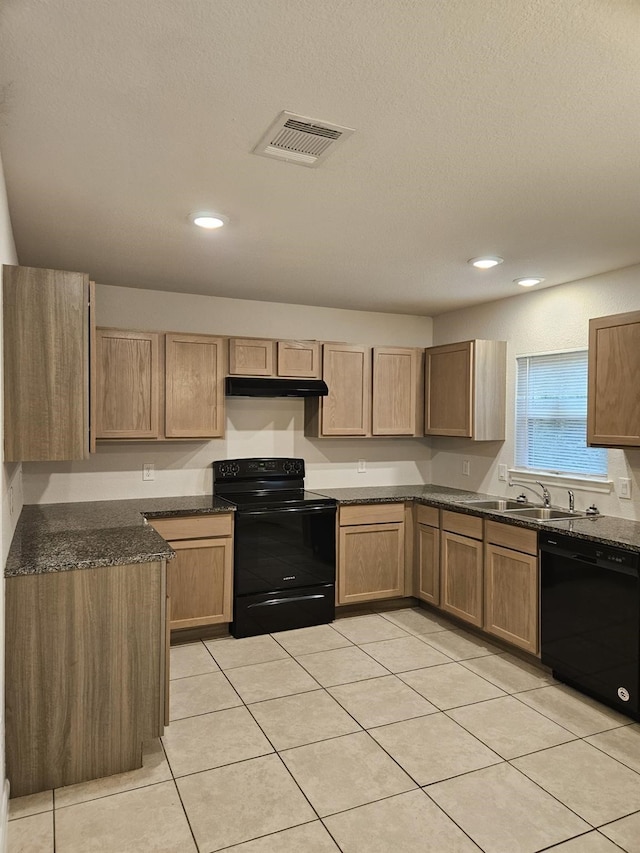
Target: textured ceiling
(507,127)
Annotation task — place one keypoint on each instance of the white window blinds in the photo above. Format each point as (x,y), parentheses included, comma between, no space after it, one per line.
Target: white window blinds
(551,416)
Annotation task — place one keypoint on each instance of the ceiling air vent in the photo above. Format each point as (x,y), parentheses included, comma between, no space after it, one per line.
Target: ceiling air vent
(301,140)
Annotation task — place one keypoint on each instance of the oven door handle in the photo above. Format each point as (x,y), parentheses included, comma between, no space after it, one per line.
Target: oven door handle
(272,601)
(306,508)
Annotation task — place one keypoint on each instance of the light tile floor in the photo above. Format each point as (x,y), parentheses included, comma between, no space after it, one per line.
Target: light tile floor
(382,733)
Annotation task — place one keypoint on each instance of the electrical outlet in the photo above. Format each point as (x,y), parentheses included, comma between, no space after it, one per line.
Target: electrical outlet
(362,466)
(624,487)
(502,472)
(466,467)
(148,471)
(11,504)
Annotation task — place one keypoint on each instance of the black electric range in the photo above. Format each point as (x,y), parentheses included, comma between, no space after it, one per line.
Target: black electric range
(284,546)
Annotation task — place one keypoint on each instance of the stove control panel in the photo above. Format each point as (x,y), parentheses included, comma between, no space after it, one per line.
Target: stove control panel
(257,468)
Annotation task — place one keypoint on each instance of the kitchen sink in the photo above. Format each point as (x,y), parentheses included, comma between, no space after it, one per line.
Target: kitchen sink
(543,513)
(499,505)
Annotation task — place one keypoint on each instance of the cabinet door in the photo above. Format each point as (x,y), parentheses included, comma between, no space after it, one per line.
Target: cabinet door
(371,562)
(251,357)
(46,365)
(461,582)
(127,384)
(347,408)
(511,596)
(194,386)
(428,563)
(448,403)
(299,358)
(614,366)
(396,376)
(200,581)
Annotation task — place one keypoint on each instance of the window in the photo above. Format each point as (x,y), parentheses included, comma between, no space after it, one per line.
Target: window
(551,416)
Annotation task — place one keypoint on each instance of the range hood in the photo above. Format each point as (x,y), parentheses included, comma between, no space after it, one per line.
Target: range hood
(257,386)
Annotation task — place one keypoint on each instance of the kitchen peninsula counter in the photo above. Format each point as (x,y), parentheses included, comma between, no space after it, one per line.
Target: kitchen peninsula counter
(68,536)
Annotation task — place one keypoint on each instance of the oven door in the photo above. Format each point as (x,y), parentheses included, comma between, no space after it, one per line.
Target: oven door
(283,549)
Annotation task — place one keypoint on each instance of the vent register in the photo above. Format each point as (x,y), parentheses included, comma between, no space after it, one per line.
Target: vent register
(301,140)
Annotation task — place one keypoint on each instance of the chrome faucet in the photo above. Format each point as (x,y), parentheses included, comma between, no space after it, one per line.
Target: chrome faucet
(546,497)
(572,503)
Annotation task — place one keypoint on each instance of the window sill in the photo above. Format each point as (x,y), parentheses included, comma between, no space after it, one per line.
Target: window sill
(569,481)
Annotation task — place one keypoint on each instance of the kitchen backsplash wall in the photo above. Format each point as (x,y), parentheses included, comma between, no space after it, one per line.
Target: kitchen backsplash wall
(254,427)
(553,319)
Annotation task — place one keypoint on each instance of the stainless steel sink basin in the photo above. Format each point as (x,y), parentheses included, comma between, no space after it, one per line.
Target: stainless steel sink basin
(499,505)
(541,513)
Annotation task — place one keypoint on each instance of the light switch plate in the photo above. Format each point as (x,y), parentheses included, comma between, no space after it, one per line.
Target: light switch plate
(466,467)
(502,472)
(362,466)
(624,487)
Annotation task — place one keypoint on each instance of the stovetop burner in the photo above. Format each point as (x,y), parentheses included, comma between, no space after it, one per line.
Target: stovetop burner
(268,482)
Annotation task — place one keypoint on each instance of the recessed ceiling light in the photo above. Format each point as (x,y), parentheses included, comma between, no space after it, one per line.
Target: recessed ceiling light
(486,262)
(208,220)
(529,281)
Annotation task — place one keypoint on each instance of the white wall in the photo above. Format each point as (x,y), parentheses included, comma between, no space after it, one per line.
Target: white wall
(540,321)
(11,497)
(254,427)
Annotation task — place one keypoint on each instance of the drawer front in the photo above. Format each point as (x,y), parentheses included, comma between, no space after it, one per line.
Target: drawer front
(194,526)
(510,536)
(428,515)
(371,514)
(464,525)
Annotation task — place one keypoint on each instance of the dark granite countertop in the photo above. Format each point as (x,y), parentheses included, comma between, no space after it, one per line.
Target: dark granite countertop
(64,537)
(604,529)
(67,536)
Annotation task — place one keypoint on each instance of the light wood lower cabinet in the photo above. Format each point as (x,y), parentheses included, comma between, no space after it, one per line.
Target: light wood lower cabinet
(371,553)
(427,554)
(200,577)
(85,675)
(511,585)
(461,566)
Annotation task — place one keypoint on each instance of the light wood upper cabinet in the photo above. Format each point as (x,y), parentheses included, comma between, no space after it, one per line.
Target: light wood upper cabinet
(141,376)
(613,417)
(266,357)
(46,364)
(511,585)
(461,566)
(251,357)
(427,554)
(371,553)
(194,386)
(299,359)
(200,577)
(127,384)
(465,388)
(397,391)
(346,368)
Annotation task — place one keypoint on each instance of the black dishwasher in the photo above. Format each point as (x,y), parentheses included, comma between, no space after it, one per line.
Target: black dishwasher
(590,618)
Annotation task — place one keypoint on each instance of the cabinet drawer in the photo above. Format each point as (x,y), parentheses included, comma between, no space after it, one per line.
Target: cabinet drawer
(465,525)
(371,514)
(510,536)
(194,526)
(428,515)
